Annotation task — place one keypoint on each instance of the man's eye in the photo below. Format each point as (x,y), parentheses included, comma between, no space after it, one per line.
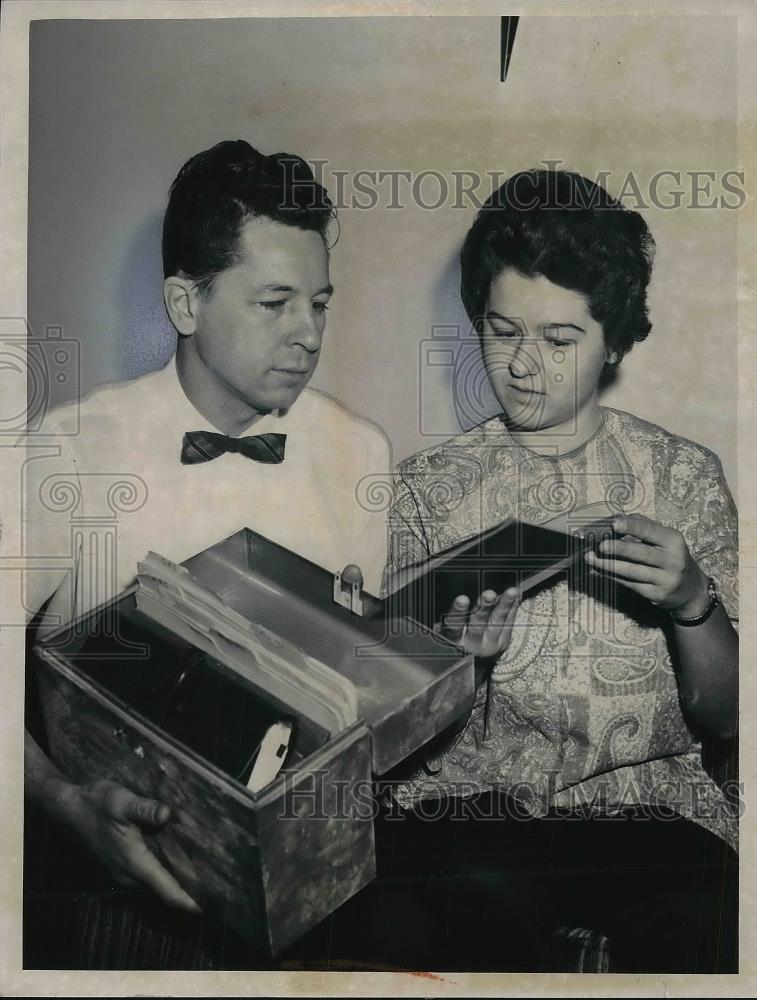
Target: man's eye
(273,303)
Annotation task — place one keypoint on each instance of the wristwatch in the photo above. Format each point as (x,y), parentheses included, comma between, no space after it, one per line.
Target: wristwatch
(700,619)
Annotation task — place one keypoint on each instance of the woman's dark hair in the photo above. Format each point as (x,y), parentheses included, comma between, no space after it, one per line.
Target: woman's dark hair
(571,231)
(218,190)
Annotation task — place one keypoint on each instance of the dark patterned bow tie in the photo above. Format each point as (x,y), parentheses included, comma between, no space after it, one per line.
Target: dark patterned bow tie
(204,446)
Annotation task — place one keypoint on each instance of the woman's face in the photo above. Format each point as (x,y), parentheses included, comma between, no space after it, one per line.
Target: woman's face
(544,353)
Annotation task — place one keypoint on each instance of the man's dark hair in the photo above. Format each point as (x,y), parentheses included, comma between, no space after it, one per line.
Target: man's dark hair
(218,190)
(571,231)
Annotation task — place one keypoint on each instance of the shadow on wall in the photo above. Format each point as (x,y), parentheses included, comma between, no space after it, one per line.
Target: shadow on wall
(145,339)
(452,356)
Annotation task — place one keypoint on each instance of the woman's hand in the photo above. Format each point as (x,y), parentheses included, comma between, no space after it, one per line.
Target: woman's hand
(486,629)
(655,562)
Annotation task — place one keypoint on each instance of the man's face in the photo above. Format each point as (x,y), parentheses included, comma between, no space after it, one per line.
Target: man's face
(543,352)
(259,328)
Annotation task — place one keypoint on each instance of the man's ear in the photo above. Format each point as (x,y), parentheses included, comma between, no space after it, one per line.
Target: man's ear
(182,299)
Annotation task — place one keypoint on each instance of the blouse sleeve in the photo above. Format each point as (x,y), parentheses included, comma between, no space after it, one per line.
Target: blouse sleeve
(408,541)
(715,543)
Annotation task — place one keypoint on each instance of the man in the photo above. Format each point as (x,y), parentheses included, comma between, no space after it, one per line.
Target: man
(225,436)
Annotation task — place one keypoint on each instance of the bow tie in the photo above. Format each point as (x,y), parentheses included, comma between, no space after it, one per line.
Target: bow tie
(204,446)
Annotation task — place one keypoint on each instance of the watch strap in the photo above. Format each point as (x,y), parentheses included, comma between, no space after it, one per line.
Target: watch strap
(700,619)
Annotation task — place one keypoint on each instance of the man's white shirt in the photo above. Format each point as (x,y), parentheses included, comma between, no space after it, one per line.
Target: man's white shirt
(104,484)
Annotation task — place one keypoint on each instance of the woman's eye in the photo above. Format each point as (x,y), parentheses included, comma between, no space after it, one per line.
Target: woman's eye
(508,332)
(559,343)
(320,307)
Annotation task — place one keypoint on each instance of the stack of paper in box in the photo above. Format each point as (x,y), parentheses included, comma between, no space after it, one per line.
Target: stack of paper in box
(170,595)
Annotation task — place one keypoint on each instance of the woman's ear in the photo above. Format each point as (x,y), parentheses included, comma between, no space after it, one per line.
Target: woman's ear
(182,299)
(611,357)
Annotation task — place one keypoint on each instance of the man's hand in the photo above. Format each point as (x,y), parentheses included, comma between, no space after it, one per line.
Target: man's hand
(655,562)
(484,630)
(108,819)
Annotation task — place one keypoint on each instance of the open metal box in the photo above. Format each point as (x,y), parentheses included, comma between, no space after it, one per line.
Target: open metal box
(273,864)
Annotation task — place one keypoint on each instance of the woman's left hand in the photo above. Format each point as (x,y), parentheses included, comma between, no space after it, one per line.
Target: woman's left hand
(485,629)
(655,562)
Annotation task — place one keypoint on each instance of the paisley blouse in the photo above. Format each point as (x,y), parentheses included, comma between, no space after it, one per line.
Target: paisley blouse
(582,711)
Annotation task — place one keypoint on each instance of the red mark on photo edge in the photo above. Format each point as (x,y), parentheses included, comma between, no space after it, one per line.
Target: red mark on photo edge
(428,975)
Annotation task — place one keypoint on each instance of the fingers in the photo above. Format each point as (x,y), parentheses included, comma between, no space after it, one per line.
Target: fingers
(125,807)
(454,622)
(637,552)
(503,612)
(642,527)
(479,616)
(482,608)
(149,812)
(622,570)
(493,612)
(110,819)
(138,865)
(146,869)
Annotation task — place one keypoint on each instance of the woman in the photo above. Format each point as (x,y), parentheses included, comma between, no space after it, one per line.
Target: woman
(597,691)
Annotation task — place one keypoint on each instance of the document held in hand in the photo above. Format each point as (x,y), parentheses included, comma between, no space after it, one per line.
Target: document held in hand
(511,554)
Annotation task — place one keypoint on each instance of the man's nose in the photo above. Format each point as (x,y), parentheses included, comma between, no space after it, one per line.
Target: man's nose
(307,332)
(525,360)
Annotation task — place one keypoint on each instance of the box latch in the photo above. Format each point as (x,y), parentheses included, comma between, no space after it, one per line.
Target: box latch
(348,586)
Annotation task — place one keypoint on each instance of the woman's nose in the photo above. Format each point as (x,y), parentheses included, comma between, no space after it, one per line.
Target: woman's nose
(525,361)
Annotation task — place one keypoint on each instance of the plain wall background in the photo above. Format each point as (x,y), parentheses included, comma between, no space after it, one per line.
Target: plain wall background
(116,107)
